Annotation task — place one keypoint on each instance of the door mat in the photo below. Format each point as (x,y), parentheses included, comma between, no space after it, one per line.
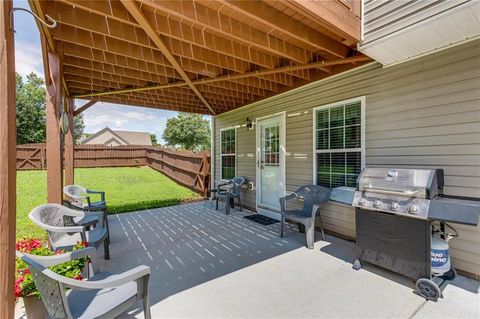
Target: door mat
(260,219)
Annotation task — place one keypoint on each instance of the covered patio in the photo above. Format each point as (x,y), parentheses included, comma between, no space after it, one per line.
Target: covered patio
(206,264)
(213,58)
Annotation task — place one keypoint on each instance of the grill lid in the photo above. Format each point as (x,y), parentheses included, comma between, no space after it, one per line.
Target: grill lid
(418,183)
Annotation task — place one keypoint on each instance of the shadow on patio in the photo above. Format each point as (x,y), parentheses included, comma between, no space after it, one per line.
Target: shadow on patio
(207,264)
(188,245)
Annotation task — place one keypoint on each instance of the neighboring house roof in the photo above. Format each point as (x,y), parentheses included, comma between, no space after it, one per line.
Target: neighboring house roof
(121,137)
(135,138)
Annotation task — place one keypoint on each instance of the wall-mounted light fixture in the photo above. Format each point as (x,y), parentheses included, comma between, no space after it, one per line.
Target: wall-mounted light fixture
(249,124)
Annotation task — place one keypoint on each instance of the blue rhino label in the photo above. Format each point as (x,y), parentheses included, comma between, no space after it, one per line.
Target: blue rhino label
(439,257)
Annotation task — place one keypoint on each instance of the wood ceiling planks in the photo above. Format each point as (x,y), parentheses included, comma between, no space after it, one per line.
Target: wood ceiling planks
(198,56)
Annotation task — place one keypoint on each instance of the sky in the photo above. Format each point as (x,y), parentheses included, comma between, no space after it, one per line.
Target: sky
(28,58)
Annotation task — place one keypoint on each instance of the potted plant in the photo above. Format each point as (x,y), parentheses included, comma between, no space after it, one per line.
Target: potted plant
(24,284)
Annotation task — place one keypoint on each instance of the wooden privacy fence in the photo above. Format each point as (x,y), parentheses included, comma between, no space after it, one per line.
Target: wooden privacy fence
(187,168)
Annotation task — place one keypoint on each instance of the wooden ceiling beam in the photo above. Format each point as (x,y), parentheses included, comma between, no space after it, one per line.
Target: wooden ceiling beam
(155,105)
(103,41)
(83,107)
(352,60)
(113,69)
(127,81)
(291,27)
(84,52)
(74,46)
(333,14)
(113,26)
(164,96)
(36,7)
(226,26)
(135,11)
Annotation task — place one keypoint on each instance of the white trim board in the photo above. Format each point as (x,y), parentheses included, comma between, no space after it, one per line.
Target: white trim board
(271,212)
(362,100)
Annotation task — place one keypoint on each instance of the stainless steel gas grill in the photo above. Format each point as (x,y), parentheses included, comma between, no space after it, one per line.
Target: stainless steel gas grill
(395,211)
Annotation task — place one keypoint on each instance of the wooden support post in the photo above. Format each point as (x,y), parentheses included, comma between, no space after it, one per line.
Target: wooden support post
(69,146)
(7,163)
(54,141)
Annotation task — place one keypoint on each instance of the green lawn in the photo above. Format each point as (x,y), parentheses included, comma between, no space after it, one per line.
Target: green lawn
(126,188)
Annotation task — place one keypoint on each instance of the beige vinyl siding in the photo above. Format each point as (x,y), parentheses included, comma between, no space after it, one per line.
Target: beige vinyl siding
(422,113)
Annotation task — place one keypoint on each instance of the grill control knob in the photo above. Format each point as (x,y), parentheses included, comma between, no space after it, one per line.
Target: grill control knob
(377,203)
(394,206)
(413,209)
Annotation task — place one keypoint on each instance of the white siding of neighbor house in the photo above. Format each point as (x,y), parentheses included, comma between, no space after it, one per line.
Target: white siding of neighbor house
(106,138)
(422,113)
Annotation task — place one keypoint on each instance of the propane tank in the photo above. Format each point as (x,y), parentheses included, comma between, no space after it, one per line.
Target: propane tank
(440,254)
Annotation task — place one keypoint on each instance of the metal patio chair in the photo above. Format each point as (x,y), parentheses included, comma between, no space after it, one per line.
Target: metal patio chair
(102,295)
(313,197)
(79,198)
(60,222)
(230,191)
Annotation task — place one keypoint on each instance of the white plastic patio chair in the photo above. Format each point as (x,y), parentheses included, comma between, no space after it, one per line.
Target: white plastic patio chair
(78,197)
(63,232)
(103,295)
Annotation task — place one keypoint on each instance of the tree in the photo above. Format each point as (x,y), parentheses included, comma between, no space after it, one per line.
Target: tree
(30,109)
(153,138)
(78,127)
(189,131)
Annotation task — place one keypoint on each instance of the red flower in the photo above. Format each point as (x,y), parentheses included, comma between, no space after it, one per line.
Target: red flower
(78,277)
(18,291)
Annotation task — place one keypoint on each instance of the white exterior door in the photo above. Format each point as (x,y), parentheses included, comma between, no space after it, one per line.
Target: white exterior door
(270,164)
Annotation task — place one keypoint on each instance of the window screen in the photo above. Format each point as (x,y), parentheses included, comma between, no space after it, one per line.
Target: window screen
(227,158)
(338,148)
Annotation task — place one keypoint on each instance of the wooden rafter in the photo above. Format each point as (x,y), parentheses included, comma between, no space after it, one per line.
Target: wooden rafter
(289,26)
(138,15)
(166,54)
(333,14)
(37,9)
(240,76)
(83,107)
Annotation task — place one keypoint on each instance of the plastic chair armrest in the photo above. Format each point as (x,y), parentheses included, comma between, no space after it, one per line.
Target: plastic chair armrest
(110,282)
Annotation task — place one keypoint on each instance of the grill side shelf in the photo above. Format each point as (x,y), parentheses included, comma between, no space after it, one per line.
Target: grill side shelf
(454,210)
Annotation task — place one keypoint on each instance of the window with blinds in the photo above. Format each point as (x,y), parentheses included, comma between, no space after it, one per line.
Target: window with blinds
(228,154)
(338,143)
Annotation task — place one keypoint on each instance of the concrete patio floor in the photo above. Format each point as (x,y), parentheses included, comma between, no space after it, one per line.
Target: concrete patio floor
(208,265)
(205,264)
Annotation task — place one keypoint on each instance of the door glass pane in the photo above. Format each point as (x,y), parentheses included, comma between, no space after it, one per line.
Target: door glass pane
(228,166)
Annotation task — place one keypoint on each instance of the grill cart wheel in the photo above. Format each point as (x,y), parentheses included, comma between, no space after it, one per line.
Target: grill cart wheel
(428,289)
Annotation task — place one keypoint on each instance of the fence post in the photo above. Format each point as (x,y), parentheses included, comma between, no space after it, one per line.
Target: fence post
(206,173)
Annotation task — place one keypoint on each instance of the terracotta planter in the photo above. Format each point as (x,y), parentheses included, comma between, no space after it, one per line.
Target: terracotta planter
(34,308)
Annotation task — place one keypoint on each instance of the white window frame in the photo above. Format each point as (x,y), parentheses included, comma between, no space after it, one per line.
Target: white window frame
(229,154)
(360,99)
